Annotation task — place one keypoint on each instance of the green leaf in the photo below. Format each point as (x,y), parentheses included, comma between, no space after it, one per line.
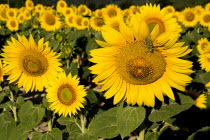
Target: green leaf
(81,136)
(55,134)
(152,136)
(91,96)
(9,104)
(66,120)
(20,100)
(2,95)
(91,45)
(201,134)
(7,124)
(129,118)
(205,78)
(72,128)
(86,72)
(30,115)
(19,133)
(104,125)
(74,68)
(45,103)
(168,110)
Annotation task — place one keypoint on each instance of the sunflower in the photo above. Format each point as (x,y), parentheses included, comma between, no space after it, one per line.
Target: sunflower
(77,21)
(27,15)
(50,22)
(207,7)
(204,60)
(200,101)
(98,13)
(21,17)
(198,9)
(3,15)
(136,66)
(111,11)
(11,13)
(61,5)
(66,95)
(39,8)
(96,23)
(168,9)
(29,64)
(205,19)
(83,10)
(85,23)
(69,20)
(153,15)
(176,15)
(68,11)
(134,9)
(203,46)
(29,5)
(189,18)
(115,22)
(12,24)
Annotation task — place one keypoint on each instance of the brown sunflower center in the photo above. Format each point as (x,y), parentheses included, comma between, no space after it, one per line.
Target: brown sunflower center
(152,22)
(206,18)
(62,5)
(50,19)
(66,94)
(203,46)
(99,22)
(112,12)
(13,23)
(11,14)
(137,65)
(190,16)
(34,63)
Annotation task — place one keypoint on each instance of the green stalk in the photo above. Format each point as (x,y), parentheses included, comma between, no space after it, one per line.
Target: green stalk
(142,135)
(14,111)
(83,122)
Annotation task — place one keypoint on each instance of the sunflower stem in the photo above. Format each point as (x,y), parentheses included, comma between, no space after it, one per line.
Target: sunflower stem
(50,117)
(13,107)
(141,135)
(67,63)
(83,122)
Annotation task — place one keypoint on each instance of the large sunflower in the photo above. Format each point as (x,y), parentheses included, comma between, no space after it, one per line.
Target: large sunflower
(50,22)
(153,15)
(29,64)
(136,66)
(66,95)
(205,19)
(96,23)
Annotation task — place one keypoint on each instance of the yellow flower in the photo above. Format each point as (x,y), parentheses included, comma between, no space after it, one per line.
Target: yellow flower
(204,60)
(136,66)
(200,101)
(29,5)
(61,5)
(134,9)
(98,13)
(205,19)
(39,8)
(68,11)
(198,9)
(50,22)
(29,64)
(21,17)
(96,23)
(69,20)
(66,95)
(111,11)
(3,15)
(168,9)
(189,18)
(153,15)
(207,7)
(11,13)
(77,21)
(12,24)
(83,10)
(27,15)
(203,46)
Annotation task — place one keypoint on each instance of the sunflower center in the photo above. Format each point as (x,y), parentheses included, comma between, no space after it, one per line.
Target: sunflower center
(206,18)
(152,22)
(50,19)
(190,16)
(137,65)
(13,23)
(99,22)
(62,5)
(203,46)
(34,63)
(66,94)
(112,13)
(11,14)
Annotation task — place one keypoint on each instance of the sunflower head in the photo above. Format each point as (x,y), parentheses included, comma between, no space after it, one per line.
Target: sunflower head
(21,17)
(205,19)
(39,8)
(111,11)
(203,46)
(204,60)
(83,10)
(207,7)
(29,5)
(50,22)
(66,95)
(96,23)
(32,64)
(11,13)
(98,13)
(12,24)
(61,5)
(69,20)
(138,63)
(78,22)
(168,9)
(189,18)
(68,11)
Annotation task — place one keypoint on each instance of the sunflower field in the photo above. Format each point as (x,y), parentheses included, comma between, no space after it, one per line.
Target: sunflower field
(71,73)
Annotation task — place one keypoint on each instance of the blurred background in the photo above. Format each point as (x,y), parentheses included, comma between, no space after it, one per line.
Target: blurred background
(123,4)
